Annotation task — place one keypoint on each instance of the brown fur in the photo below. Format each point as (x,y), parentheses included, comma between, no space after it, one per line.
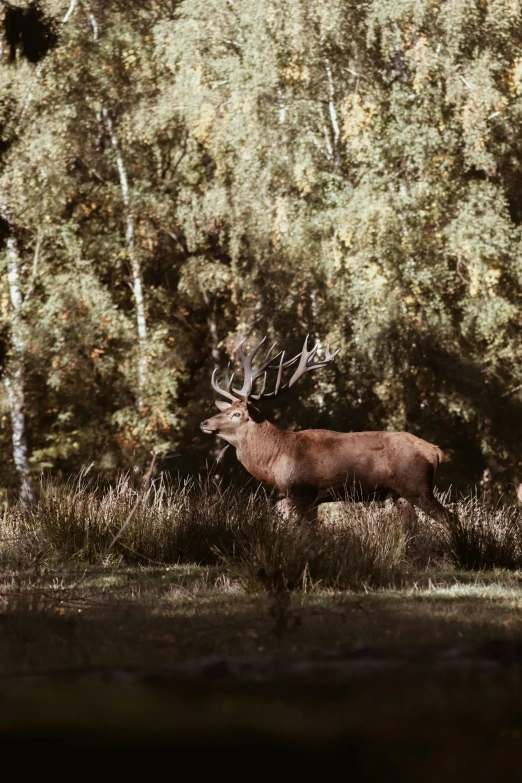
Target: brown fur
(315,466)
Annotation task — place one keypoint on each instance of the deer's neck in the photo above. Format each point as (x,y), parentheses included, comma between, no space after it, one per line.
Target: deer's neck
(259,448)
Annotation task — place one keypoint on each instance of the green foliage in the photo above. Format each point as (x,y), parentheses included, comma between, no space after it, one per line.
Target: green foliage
(349,170)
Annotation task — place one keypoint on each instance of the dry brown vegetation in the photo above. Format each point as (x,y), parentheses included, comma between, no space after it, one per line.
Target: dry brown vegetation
(189,522)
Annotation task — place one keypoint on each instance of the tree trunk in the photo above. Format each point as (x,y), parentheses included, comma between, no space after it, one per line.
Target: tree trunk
(13,376)
(137,282)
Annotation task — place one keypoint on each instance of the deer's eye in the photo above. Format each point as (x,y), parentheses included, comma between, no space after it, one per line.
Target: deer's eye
(236,415)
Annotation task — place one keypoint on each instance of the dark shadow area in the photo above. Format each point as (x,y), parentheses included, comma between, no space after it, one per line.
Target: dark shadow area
(384,721)
(28,32)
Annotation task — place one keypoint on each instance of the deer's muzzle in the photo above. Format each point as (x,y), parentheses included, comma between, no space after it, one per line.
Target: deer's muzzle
(206,428)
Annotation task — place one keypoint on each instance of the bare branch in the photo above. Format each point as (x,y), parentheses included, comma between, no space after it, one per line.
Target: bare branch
(137,283)
(13,375)
(92,19)
(69,12)
(512,391)
(468,84)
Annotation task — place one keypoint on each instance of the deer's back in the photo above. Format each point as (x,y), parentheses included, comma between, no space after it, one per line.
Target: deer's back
(324,459)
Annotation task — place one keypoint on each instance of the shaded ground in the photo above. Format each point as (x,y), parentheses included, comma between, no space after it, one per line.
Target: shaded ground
(416,683)
(416,723)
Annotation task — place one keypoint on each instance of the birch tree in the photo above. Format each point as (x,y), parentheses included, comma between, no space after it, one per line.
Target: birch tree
(137,283)
(13,372)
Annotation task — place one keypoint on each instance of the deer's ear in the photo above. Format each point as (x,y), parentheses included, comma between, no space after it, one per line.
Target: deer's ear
(255,414)
(223,405)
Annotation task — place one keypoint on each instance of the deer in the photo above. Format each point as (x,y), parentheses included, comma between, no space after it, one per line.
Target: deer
(314,466)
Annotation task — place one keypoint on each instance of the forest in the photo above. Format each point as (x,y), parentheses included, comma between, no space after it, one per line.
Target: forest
(178,176)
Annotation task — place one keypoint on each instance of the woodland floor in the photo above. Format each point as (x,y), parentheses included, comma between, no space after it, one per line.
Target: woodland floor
(420,682)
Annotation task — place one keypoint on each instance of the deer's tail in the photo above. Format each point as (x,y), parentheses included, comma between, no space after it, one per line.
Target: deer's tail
(439,454)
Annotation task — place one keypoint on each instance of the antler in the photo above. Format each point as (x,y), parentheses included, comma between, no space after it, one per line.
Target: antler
(305,361)
(250,375)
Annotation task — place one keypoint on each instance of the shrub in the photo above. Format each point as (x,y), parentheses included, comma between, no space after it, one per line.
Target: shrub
(481,536)
(357,545)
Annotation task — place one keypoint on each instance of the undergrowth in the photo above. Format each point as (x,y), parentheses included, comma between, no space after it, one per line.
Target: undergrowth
(353,546)
(482,536)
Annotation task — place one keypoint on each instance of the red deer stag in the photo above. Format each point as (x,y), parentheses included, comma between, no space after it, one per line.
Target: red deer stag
(316,466)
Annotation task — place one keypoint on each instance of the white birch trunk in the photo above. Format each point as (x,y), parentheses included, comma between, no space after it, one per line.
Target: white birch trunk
(13,375)
(333,114)
(92,19)
(137,282)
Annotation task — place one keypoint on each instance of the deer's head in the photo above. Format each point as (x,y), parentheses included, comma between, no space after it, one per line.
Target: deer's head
(228,423)
(238,410)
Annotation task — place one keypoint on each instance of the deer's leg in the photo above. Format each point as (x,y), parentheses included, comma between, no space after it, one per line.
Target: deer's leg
(434,509)
(421,495)
(284,508)
(406,511)
(301,509)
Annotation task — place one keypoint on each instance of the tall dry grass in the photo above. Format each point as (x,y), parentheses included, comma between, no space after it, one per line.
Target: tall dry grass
(85,520)
(357,545)
(484,536)
(183,521)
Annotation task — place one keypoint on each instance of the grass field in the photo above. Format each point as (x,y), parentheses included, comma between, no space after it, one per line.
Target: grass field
(182,618)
